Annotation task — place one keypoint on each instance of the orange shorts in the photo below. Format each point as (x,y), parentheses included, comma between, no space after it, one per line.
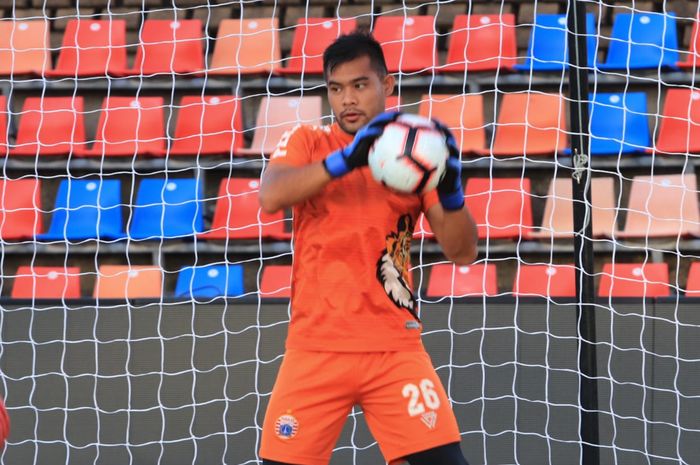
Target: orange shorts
(402,398)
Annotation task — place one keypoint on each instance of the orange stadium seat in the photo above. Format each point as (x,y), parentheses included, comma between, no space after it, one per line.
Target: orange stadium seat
(24,47)
(311,37)
(692,287)
(128,282)
(208,125)
(92,48)
(530,124)
(409,43)
(663,206)
(129,126)
(276,115)
(501,207)
(50,126)
(463,114)
(246,46)
(46,282)
(679,129)
(20,205)
(634,280)
(169,46)
(238,214)
(276,281)
(558,222)
(545,280)
(692,59)
(460,281)
(481,43)
(3,125)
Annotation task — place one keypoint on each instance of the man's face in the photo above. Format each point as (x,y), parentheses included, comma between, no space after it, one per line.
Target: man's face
(357,93)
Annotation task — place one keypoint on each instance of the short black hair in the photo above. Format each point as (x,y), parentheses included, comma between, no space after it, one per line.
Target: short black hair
(351,46)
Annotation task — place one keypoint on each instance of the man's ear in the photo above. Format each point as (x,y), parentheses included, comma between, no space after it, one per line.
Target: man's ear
(389,83)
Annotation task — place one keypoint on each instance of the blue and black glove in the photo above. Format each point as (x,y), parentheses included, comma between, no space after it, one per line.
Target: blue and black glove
(450,190)
(354,155)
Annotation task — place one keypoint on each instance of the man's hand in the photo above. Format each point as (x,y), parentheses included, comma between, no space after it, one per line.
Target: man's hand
(450,190)
(353,156)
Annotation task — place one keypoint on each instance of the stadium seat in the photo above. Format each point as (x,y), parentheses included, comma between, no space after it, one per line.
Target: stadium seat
(50,126)
(169,46)
(86,209)
(409,43)
(276,281)
(3,126)
(210,281)
(634,280)
(481,43)
(167,208)
(619,123)
(642,40)
(46,282)
(460,281)
(679,127)
(501,207)
(208,125)
(129,126)
(246,46)
(547,50)
(92,48)
(24,47)
(692,55)
(276,115)
(311,37)
(128,282)
(558,218)
(663,206)
(463,114)
(237,212)
(530,124)
(20,204)
(692,287)
(545,280)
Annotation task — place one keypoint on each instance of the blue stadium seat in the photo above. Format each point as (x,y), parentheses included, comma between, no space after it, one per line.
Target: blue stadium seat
(86,209)
(210,281)
(643,40)
(547,50)
(619,123)
(167,208)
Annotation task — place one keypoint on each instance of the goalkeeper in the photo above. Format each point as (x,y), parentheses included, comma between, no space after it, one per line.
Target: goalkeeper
(354,335)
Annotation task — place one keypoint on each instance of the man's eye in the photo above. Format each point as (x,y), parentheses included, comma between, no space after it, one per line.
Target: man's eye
(360,86)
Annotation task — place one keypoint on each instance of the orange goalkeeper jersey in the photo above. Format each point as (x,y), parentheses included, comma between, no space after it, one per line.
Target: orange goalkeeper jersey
(351,278)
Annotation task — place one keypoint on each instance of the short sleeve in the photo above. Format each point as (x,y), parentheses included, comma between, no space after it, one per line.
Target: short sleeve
(293,148)
(428,199)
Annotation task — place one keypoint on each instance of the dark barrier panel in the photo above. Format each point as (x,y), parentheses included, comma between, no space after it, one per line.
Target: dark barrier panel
(183,384)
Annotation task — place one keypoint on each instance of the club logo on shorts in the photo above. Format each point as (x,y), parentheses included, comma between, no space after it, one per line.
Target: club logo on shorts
(286,426)
(429,419)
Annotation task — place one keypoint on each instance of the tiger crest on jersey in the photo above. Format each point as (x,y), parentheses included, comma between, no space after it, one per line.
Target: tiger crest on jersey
(393,266)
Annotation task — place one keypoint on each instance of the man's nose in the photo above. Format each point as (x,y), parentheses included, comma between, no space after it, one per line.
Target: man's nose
(349,97)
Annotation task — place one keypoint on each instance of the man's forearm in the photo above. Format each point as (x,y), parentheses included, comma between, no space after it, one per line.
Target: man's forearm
(459,236)
(285,186)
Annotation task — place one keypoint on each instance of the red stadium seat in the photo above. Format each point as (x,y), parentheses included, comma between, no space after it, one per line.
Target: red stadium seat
(92,48)
(128,282)
(692,287)
(46,282)
(169,46)
(679,129)
(501,207)
(276,115)
(461,281)
(20,205)
(24,47)
(208,125)
(545,280)
(463,114)
(692,59)
(311,37)
(276,281)
(237,212)
(246,46)
(409,43)
(50,126)
(481,43)
(3,125)
(530,124)
(129,126)
(634,280)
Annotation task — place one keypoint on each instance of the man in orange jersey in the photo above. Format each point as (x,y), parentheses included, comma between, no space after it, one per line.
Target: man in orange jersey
(354,335)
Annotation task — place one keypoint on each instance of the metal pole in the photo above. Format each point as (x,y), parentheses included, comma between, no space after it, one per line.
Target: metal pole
(583,246)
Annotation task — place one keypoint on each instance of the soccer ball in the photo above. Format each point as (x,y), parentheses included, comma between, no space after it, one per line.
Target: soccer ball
(410,155)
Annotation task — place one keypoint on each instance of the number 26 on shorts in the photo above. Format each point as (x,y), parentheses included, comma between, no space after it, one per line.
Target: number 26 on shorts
(421,396)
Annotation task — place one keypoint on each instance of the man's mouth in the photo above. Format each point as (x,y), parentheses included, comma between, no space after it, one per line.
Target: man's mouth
(351,117)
